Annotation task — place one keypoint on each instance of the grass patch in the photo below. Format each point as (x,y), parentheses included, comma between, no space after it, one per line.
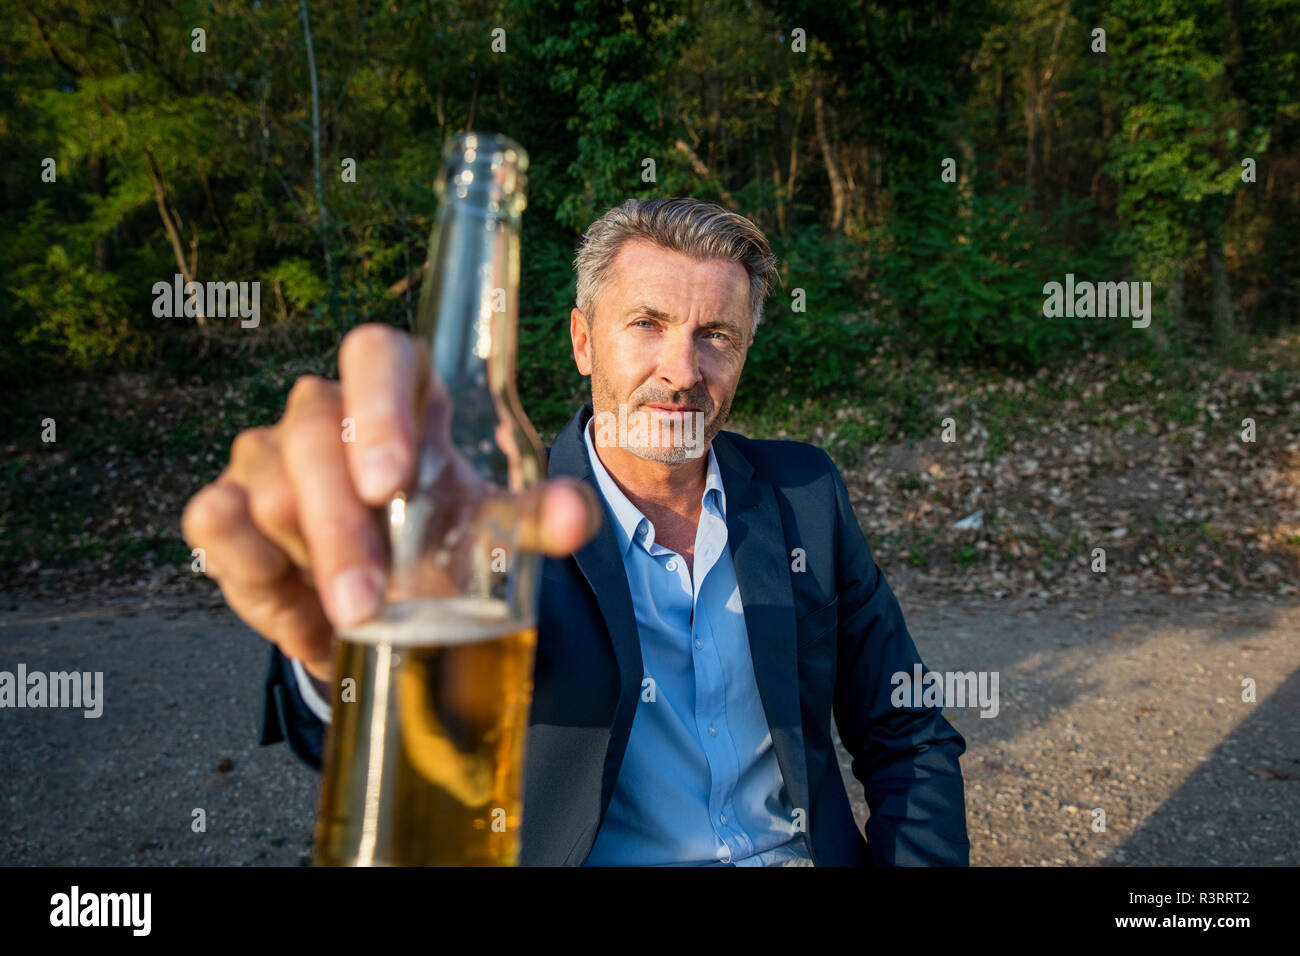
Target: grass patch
(155,550)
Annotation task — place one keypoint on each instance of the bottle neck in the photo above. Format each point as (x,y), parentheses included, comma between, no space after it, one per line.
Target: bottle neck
(468,320)
(468,302)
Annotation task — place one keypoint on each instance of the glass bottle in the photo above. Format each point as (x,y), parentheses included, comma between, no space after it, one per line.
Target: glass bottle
(425,749)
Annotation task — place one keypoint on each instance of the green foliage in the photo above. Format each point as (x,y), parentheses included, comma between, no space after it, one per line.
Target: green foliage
(819,350)
(546,372)
(965,275)
(77,315)
(1117,165)
(299,282)
(606,64)
(901,72)
(1180,138)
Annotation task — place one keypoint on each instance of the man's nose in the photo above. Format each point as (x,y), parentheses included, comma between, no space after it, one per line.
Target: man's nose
(679,361)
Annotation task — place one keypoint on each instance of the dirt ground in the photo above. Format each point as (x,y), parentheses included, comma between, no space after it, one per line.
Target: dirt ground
(1127,704)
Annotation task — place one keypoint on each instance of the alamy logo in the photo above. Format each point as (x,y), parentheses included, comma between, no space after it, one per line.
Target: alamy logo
(209,299)
(1086,300)
(56,689)
(102,909)
(950,689)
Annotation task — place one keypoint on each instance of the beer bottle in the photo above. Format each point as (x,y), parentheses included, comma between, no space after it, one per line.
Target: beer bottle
(425,749)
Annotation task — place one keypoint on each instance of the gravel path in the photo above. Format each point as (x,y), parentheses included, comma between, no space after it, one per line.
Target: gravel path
(1134,708)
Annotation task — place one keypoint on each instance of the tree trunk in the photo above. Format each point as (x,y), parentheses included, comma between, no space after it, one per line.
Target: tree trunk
(703,171)
(103,250)
(315,154)
(169,225)
(1032,111)
(832,168)
(794,146)
(1177,307)
(212,208)
(473,102)
(777,193)
(1221,296)
(1039,84)
(1101,190)
(1000,95)
(966,175)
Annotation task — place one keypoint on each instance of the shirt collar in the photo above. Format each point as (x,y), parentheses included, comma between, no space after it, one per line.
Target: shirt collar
(627,515)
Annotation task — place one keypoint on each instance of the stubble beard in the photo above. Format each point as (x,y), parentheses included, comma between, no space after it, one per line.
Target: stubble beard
(603,400)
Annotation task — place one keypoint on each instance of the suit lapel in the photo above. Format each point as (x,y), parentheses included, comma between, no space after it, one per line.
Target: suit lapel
(601,564)
(757,543)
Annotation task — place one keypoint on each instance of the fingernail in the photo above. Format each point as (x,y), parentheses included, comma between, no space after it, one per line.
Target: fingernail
(355,595)
(382,471)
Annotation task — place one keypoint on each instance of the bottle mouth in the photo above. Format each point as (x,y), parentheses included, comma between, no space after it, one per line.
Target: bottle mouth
(486,170)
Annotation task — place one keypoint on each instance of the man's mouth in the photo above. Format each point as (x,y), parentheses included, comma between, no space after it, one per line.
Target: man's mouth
(670,409)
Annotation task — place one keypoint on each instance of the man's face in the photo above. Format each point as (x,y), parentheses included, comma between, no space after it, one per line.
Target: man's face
(668,341)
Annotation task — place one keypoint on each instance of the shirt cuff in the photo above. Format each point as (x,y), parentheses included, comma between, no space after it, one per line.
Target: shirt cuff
(310,696)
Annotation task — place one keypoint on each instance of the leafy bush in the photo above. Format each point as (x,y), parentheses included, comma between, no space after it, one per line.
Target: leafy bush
(821,349)
(965,276)
(78,316)
(297,280)
(549,384)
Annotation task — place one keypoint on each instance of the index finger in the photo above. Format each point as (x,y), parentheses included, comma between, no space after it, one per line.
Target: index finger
(384,374)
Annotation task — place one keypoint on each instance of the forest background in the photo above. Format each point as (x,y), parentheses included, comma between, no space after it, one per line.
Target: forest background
(922,170)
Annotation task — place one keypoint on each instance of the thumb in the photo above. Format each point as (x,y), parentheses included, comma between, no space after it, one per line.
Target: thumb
(554,518)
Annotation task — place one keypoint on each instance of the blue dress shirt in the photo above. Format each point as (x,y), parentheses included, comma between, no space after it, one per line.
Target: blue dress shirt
(699,783)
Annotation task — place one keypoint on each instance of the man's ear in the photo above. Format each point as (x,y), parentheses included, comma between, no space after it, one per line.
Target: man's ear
(580,333)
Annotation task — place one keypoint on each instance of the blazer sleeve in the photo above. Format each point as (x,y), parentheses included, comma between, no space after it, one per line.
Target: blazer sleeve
(286,716)
(905,757)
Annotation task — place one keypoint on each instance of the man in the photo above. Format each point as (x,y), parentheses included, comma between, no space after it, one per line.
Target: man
(735,585)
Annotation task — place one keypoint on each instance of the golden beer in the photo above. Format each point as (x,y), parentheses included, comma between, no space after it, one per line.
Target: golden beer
(424,758)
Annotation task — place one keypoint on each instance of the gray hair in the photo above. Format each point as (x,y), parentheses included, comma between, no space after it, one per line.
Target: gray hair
(693,227)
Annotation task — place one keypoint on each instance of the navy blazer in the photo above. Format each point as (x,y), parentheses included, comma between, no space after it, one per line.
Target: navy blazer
(825,634)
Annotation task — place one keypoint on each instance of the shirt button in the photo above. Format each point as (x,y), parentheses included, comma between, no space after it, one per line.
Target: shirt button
(723,818)
(698,643)
(672,565)
(713,732)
